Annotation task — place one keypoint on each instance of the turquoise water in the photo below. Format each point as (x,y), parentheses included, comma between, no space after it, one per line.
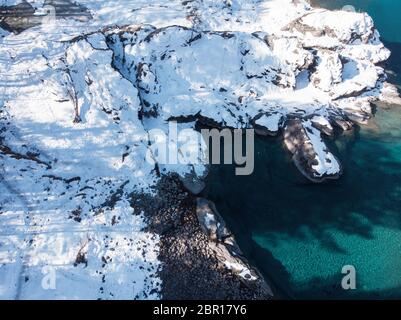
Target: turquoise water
(299,234)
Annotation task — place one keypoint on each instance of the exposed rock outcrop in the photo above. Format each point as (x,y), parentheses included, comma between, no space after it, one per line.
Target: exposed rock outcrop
(223,243)
(192,182)
(267,124)
(323,69)
(23,15)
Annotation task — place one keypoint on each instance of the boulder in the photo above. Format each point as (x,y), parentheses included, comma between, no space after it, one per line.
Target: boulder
(210,220)
(309,153)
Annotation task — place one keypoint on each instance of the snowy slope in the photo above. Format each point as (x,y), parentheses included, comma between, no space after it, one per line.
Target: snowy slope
(66,185)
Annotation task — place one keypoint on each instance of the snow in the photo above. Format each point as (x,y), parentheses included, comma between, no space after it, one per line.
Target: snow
(271,122)
(73,146)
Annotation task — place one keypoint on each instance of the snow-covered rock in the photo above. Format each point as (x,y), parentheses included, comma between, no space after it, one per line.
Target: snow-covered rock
(66,185)
(237,79)
(223,242)
(310,154)
(341,26)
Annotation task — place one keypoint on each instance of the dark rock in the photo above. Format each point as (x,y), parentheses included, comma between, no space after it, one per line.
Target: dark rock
(210,220)
(326,129)
(342,123)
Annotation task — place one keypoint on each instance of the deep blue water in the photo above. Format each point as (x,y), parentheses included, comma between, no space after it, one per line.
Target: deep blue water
(300,234)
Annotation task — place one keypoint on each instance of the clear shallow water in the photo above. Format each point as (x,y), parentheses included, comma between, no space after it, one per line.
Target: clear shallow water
(300,235)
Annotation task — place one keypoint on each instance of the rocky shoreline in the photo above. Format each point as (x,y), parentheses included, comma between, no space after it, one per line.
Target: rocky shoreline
(200,258)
